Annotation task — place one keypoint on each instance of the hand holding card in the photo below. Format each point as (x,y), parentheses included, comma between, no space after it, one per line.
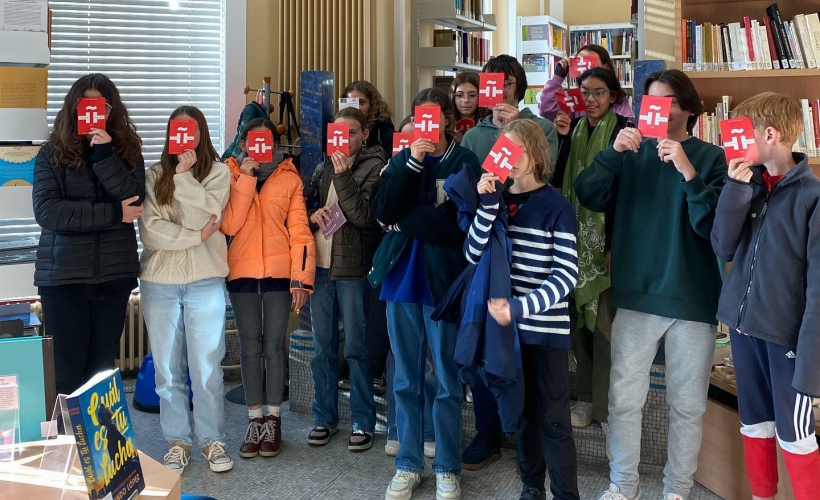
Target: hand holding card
(491,89)
(502,158)
(338,138)
(578,65)
(91,113)
(337,220)
(738,136)
(571,101)
(181,136)
(654,118)
(401,140)
(427,123)
(260,145)
(463,125)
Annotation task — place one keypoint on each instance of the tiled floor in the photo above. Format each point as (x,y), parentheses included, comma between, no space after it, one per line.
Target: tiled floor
(332,472)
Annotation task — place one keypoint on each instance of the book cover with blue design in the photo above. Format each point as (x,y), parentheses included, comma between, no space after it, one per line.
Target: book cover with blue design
(105,439)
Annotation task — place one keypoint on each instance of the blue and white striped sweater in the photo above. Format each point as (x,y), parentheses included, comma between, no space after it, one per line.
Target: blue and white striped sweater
(544,266)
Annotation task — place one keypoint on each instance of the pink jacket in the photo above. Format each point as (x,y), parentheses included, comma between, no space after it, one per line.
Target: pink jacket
(548,106)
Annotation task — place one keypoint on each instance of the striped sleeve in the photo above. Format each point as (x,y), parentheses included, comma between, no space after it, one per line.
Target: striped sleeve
(479,234)
(564,273)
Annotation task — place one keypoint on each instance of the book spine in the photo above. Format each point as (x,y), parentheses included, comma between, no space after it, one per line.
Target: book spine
(778,53)
(813,22)
(80,431)
(815,108)
(768,49)
(808,134)
(774,11)
(727,49)
(804,37)
(750,50)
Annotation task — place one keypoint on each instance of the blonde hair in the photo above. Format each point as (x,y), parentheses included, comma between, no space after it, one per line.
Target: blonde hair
(535,144)
(770,109)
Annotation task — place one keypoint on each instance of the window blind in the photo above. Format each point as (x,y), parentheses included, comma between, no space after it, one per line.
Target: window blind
(161,54)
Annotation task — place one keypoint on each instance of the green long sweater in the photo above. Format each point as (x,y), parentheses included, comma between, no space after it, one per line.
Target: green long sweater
(662,258)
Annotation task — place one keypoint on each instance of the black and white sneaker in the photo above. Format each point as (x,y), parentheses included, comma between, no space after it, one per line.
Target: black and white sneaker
(380,385)
(319,436)
(360,441)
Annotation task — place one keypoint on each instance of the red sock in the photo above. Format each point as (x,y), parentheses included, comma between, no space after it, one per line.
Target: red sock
(804,472)
(761,465)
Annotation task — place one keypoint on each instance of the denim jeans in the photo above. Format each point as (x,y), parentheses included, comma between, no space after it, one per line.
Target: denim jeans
(186,326)
(412,332)
(329,298)
(429,396)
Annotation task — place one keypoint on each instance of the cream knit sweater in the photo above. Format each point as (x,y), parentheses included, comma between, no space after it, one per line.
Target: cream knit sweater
(174,253)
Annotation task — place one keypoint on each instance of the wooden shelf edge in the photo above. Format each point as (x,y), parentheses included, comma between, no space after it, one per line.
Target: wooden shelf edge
(774,73)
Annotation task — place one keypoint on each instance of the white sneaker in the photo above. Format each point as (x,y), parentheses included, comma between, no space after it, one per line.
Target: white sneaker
(605,428)
(218,459)
(177,457)
(430,449)
(402,485)
(392,447)
(581,414)
(614,493)
(447,487)
(673,496)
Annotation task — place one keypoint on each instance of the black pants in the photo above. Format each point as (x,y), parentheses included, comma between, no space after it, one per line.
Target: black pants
(378,342)
(86,334)
(545,437)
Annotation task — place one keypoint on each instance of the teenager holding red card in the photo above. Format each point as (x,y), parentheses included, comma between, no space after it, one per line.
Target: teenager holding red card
(272,267)
(416,264)
(88,190)
(377,112)
(464,92)
(581,139)
(665,280)
(182,285)
(343,259)
(548,105)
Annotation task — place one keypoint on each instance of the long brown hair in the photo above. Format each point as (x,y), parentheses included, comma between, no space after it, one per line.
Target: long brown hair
(379,110)
(70,148)
(473,79)
(206,155)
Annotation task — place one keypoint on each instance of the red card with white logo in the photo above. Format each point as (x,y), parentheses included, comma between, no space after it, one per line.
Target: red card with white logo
(738,137)
(491,89)
(90,114)
(181,137)
(401,140)
(338,138)
(427,123)
(502,157)
(570,101)
(654,118)
(578,65)
(260,145)
(462,126)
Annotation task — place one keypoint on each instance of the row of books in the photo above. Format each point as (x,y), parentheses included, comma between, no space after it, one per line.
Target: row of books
(555,36)
(470,49)
(617,44)
(708,125)
(623,68)
(474,9)
(752,45)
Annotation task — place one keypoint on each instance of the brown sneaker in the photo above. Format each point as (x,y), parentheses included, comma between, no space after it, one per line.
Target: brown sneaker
(253,436)
(178,456)
(271,436)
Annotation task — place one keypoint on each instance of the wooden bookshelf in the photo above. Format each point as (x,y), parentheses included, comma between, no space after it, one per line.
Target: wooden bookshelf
(773,73)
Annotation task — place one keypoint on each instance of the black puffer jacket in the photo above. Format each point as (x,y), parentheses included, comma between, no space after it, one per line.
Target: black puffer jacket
(84,239)
(381,134)
(354,243)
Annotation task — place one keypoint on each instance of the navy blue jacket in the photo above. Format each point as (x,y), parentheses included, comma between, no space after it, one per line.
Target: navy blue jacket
(484,348)
(773,241)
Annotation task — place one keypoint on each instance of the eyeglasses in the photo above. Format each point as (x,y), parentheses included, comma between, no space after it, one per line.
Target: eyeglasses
(461,96)
(598,94)
(508,84)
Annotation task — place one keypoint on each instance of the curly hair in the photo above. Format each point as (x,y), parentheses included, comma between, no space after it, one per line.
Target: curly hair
(70,147)
(379,110)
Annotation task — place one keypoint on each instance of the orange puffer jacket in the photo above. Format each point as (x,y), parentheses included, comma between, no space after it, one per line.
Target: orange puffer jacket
(272,238)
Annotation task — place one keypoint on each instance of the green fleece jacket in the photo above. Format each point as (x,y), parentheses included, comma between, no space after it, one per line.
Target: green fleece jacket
(481,138)
(662,258)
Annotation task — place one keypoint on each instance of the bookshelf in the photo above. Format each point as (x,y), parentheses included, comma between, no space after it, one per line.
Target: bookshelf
(458,46)
(540,42)
(617,38)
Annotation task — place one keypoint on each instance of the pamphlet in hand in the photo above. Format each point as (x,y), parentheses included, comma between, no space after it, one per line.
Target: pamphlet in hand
(337,220)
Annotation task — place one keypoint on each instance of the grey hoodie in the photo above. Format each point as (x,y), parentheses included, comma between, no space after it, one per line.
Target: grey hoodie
(481,138)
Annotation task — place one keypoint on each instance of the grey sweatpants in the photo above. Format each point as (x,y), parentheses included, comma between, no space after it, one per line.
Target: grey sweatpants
(689,350)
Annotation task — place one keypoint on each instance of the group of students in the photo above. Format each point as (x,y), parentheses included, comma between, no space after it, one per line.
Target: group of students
(594,219)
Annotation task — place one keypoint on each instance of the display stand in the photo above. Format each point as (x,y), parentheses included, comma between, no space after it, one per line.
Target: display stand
(9,414)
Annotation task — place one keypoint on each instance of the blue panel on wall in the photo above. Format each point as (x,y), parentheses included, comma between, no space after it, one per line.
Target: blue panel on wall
(643,69)
(316,110)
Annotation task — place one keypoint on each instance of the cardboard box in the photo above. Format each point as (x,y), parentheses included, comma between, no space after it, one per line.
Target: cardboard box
(17,165)
(23,87)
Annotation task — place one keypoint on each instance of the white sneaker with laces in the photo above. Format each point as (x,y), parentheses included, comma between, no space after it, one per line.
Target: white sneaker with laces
(447,486)
(614,493)
(177,457)
(392,447)
(430,449)
(581,414)
(218,459)
(673,496)
(402,485)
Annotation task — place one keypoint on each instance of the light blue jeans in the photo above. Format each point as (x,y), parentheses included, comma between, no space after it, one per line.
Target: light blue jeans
(412,332)
(186,326)
(329,298)
(429,397)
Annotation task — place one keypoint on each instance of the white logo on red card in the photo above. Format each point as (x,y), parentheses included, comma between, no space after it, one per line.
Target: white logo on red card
(571,101)
(338,138)
(427,123)
(654,118)
(491,89)
(502,158)
(402,140)
(462,126)
(578,65)
(738,136)
(260,145)
(181,136)
(90,114)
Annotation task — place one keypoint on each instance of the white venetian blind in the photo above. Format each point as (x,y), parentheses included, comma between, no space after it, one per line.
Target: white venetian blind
(161,54)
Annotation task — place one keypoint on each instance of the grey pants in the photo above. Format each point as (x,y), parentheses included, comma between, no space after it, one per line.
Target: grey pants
(689,350)
(262,321)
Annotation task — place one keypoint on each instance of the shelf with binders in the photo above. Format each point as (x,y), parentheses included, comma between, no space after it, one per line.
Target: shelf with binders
(464,15)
